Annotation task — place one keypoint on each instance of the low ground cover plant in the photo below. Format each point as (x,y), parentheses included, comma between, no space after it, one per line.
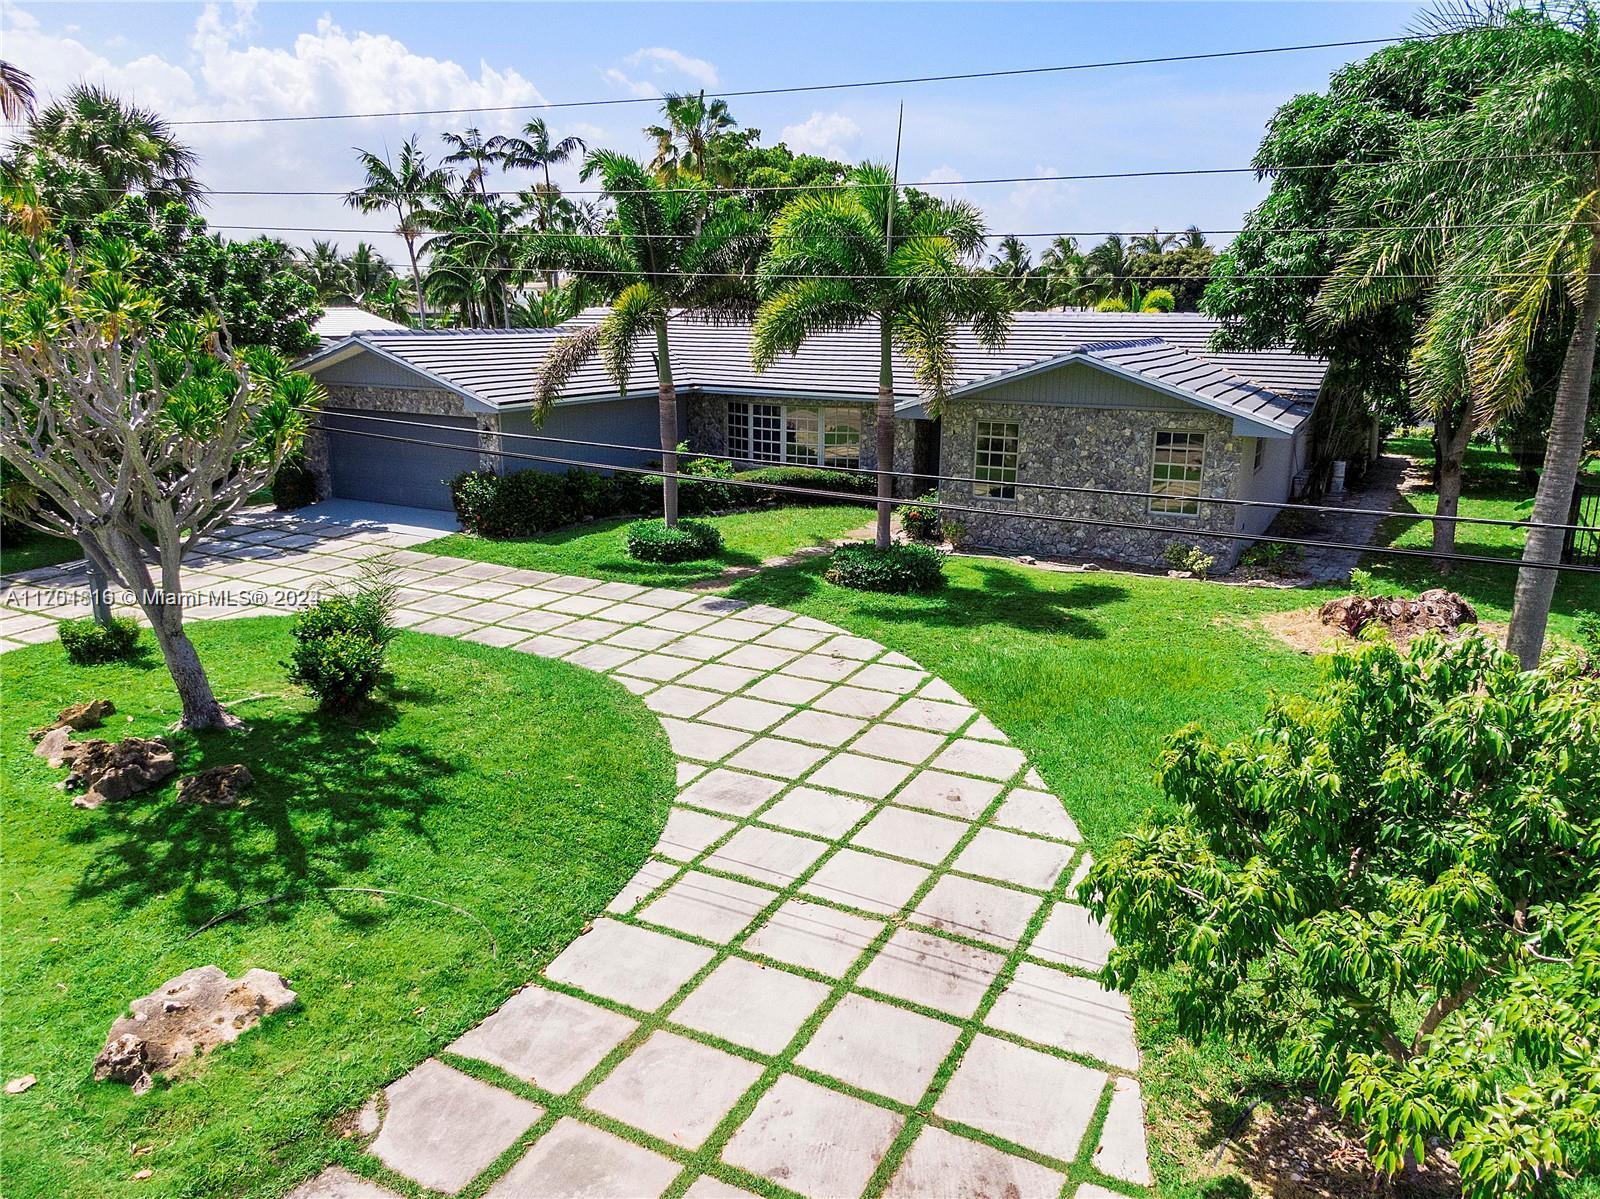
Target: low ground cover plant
(1276,557)
(688,540)
(340,643)
(1191,558)
(1393,889)
(901,569)
(90,643)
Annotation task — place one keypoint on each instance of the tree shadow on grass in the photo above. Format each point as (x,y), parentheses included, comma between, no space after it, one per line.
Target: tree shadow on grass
(1003,597)
(326,792)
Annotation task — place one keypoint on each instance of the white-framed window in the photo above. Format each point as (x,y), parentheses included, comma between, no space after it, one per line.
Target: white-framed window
(994,460)
(1175,472)
(794,434)
(1261,443)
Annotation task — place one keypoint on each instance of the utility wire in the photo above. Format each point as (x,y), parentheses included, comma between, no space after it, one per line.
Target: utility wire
(614,101)
(943,506)
(1225,501)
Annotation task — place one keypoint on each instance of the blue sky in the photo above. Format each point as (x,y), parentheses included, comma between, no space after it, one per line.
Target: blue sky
(193,60)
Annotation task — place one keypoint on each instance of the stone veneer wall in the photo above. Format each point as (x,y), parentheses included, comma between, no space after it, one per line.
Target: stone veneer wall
(419,401)
(1090,447)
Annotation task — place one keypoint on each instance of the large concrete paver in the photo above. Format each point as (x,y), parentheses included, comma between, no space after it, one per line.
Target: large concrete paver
(846,824)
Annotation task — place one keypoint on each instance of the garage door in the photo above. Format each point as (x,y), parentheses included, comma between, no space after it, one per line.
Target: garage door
(364,467)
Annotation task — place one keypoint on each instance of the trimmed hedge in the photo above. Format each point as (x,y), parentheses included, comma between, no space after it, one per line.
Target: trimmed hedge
(902,568)
(531,502)
(811,478)
(90,643)
(688,540)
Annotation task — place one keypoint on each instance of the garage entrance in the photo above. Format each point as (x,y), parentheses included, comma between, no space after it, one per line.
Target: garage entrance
(384,471)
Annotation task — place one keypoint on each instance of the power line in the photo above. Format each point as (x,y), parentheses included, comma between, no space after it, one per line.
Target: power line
(879,472)
(1014,72)
(1175,172)
(944,506)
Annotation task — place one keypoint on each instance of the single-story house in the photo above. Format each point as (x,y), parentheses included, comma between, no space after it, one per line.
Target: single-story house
(1110,402)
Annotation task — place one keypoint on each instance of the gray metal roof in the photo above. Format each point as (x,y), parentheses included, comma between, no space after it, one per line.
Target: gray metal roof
(1166,351)
(341,320)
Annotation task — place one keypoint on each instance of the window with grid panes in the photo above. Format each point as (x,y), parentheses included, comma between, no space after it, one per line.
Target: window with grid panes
(792,434)
(995,460)
(1175,470)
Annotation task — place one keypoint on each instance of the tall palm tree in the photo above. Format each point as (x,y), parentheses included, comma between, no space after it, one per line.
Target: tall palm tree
(1012,264)
(404,188)
(1106,269)
(16,92)
(687,143)
(87,150)
(325,269)
(1062,266)
(671,255)
(477,238)
(1521,169)
(369,271)
(536,150)
(471,147)
(863,255)
(1194,239)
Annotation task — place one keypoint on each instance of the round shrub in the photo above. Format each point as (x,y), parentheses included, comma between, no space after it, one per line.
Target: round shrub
(1111,304)
(900,569)
(293,486)
(1158,299)
(341,669)
(89,643)
(652,541)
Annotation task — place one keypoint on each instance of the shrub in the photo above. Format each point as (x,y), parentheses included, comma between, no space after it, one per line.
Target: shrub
(88,642)
(700,488)
(1273,556)
(293,486)
(1393,888)
(921,523)
(652,541)
(1158,299)
(530,502)
(810,478)
(340,642)
(1190,558)
(900,569)
(1111,305)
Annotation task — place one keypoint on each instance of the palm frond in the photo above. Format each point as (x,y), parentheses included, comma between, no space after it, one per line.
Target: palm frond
(567,356)
(800,309)
(633,314)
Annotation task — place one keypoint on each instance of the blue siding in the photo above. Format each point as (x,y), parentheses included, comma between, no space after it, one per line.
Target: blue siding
(620,422)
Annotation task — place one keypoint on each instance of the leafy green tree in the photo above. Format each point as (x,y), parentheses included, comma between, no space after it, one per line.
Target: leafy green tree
(690,141)
(674,254)
(768,177)
(83,153)
(1498,207)
(144,434)
(193,275)
(868,255)
(1393,886)
(1183,271)
(405,188)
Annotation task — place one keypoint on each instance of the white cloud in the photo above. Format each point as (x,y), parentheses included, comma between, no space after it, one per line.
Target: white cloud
(642,88)
(665,60)
(829,134)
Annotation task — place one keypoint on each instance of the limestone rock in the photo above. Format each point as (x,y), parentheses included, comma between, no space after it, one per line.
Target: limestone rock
(219,787)
(186,1016)
(1436,610)
(18,1085)
(56,746)
(78,717)
(110,771)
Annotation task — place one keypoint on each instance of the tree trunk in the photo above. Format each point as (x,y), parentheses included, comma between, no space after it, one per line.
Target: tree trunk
(1552,502)
(1453,440)
(884,426)
(200,707)
(667,403)
(416,279)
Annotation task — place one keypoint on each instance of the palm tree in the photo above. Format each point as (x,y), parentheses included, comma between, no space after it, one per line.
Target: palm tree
(1154,242)
(405,188)
(1012,264)
(1062,266)
(687,143)
(1106,269)
(325,269)
(16,92)
(478,239)
(1521,169)
(1194,239)
(863,255)
(471,147)
(536,151)
(370,272)
(669,256)
(88,150)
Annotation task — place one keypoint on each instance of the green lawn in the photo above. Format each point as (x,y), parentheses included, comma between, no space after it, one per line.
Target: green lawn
(595,550)
(36,549)
(522,790)
(1490,488)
